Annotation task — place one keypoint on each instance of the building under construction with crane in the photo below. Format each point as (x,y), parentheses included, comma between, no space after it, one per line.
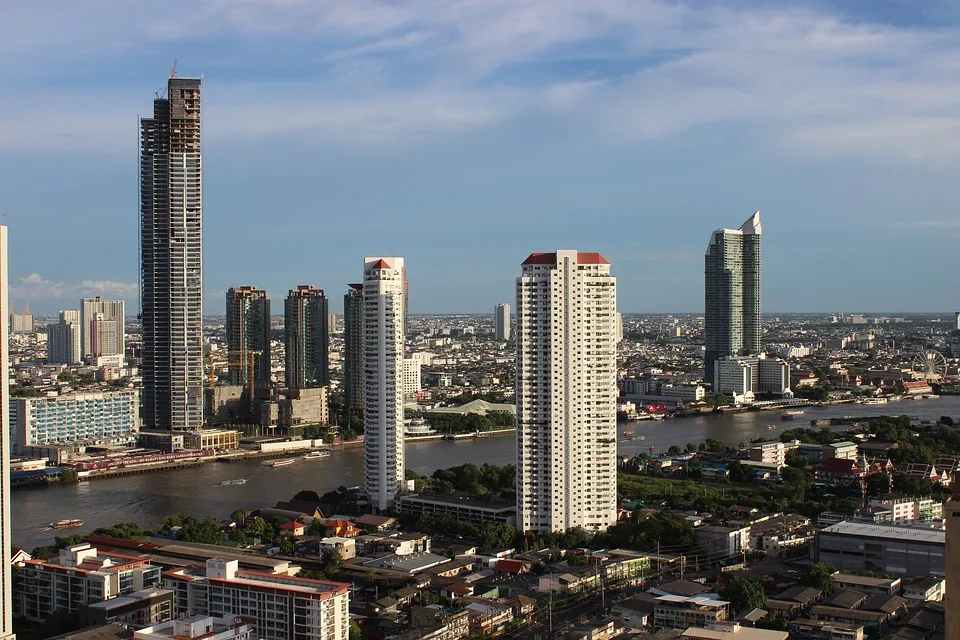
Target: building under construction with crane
(248,336)
(171,258)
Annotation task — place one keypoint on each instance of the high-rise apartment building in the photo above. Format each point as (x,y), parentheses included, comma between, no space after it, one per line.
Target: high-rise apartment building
(384,288)
(22,322)
(63,339)
(6,584)
(353,361)
(732,293)
(566,392)
(105,337)
(171,255)
(248,334)
(501,322)
(305,317)
(952,598)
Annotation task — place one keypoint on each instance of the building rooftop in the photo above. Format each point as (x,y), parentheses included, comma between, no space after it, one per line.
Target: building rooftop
(866,581)
(887,532)
(734,631)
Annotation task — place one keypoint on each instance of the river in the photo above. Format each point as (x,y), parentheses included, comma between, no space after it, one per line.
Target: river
(147,498)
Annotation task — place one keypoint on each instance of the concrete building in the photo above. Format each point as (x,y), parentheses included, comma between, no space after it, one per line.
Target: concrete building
(806,629)
(877,549)
(171,250)
(353,363)
(282,607)
(248,335)
(951,599)
(21,322)
(63,341)
(772,452)
(80,575)
(463,510)
(725,541)
(743,378)
(501,322)
(732,293)
(411,376)
(73,417)
(229,627)
(384,288)
(844,450)
(681,612)
(305,317)
(566,392)
(732,631)
(102,327)
(6,543)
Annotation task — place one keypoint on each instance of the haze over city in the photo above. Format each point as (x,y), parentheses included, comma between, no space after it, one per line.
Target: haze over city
(465,134)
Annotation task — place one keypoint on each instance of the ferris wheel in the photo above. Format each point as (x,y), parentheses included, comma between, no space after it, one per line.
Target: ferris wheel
(930,364)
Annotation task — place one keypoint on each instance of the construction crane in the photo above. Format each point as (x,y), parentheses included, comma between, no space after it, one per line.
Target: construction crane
(173,69)
(245,358)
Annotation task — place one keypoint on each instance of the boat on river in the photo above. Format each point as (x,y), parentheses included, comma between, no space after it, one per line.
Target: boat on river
(231,483)
(64,524)
(313,455)
(282,463)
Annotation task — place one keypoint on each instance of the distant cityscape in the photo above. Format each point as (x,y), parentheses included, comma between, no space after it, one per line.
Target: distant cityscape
(831,526)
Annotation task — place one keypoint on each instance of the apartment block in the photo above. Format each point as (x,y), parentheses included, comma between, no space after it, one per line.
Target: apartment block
(102,327)
(305,317)
(73,417)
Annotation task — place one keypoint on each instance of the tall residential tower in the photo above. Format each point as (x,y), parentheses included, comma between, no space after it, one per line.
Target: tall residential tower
(101,327)
(501,322)
(6,584)
(353,361)
(248,334)
(566,392)
(384,290)
(171,259)
(305,318)
(732,293)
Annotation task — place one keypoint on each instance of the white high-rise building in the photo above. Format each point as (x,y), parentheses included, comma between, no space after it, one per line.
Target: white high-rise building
(566,392)
(383,318)
(501,322)
(106,337)
(6,585)
(411,376)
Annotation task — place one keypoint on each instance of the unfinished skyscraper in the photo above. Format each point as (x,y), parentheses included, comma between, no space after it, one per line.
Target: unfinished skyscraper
(248,334)
(353,328)
(171,258)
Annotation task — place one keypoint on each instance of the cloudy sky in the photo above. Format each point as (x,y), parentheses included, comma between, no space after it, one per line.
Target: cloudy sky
(464,134)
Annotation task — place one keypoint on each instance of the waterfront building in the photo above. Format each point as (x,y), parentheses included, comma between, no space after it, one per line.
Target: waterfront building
(353,325)
(248,335)
(305,318)
(566,389)
(21,322)
(283,607)
(6,544)
(384,292)
(501,322)
(63,340)
(742,378)
(73,417)
(101,327)
(732,293)
(894,550)
(171,250)
(80,575)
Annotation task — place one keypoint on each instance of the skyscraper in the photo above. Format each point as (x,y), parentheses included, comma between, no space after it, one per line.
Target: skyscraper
(63,339)
(248,334)
(353,360)
(383,317)
(6,585)
(305,317)
(732,293)
(566,392)
(110,340)
(501,322)
(171,256)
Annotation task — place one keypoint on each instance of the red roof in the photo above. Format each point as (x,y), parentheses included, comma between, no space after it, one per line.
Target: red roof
(551,258)
(381,264)
(512,566)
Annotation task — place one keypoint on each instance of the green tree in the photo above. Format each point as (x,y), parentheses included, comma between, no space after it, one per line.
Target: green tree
(778,622)
(307,495)
(673,450)
(820,576)
(795,460)
(355,632)
(257,527)
(796,481)
(238,515)
(946,420)
(743,593)
(691,447)
(331,563)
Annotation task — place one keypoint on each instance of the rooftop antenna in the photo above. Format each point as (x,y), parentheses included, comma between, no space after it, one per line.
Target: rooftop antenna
(173,69)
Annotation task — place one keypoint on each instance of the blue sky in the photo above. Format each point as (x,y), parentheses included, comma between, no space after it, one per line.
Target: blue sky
(464,134)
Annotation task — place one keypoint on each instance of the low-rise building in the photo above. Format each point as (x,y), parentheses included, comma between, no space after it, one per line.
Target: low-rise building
(806,629)
(463,509)
(732,631)
(728,541)
(200,627)
(682,612)
(928,589)
(346,547)
(878,549)
(867,584)
(283,607)
(772,452)
(138,609)
(79,576)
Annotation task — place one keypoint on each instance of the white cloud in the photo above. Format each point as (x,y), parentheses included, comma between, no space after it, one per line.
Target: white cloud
(37,288)
(807,80)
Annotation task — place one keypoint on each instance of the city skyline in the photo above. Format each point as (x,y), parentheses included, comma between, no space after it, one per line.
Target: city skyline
(458,118)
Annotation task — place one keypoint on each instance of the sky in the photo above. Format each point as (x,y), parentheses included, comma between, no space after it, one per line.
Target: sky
(465,134)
